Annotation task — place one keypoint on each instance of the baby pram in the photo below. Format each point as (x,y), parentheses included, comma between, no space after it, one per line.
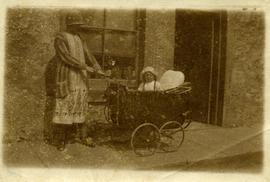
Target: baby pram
(153,120)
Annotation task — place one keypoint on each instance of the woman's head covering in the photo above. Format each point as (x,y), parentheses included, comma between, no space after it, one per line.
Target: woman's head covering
(74,18)
(148,69)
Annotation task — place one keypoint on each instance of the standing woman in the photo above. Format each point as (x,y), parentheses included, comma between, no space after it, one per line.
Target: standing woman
(66,84)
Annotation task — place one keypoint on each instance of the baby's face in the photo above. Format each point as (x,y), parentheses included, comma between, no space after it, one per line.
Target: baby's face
(149,77)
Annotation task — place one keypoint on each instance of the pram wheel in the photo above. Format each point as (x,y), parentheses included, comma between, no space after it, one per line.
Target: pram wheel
(171,136)
(145,139)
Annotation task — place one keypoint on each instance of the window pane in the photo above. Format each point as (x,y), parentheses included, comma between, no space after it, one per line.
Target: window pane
(120,44)
(121,19)
(120,67)
(94,41)
(93,17)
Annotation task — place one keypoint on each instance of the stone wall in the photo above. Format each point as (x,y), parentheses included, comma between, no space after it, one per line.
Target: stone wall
(29,47)
(244,69)
(159,39)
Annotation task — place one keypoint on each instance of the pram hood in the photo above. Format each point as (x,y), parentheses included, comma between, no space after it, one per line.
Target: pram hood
(171,79)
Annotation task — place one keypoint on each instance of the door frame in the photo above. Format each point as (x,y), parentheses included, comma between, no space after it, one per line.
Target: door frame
(217,67)
(217,73)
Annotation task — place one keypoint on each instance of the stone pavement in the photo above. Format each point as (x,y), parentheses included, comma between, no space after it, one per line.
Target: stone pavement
(202,142)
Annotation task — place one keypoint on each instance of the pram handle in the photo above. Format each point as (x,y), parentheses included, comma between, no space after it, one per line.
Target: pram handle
(186,86)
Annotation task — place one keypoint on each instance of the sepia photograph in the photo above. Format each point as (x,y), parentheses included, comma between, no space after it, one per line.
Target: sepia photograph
(134,89)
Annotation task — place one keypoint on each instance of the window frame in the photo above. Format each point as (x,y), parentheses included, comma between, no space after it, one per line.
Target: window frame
(97,86)
(139,27)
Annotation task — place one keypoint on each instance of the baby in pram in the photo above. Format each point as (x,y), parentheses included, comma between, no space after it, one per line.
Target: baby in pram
(149,80)
(170,79)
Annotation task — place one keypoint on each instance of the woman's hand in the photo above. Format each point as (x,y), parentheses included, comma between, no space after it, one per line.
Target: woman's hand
(101,72)
(90,69)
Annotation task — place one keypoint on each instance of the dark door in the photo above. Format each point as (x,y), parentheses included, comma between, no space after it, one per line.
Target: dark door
(198,53)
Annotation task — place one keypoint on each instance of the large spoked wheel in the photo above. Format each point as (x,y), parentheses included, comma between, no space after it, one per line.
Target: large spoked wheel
(171,136)
(145,139)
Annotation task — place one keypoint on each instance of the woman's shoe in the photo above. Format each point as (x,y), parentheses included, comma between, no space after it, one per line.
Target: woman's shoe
(88,142)
(61,146)
(46,140)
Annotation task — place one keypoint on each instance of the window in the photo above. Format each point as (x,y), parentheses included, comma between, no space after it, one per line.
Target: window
(117,43)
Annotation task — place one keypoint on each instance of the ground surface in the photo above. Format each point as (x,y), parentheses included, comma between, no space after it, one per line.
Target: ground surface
(205,148)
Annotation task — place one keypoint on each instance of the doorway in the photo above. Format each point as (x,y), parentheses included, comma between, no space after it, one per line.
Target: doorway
(200,47)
